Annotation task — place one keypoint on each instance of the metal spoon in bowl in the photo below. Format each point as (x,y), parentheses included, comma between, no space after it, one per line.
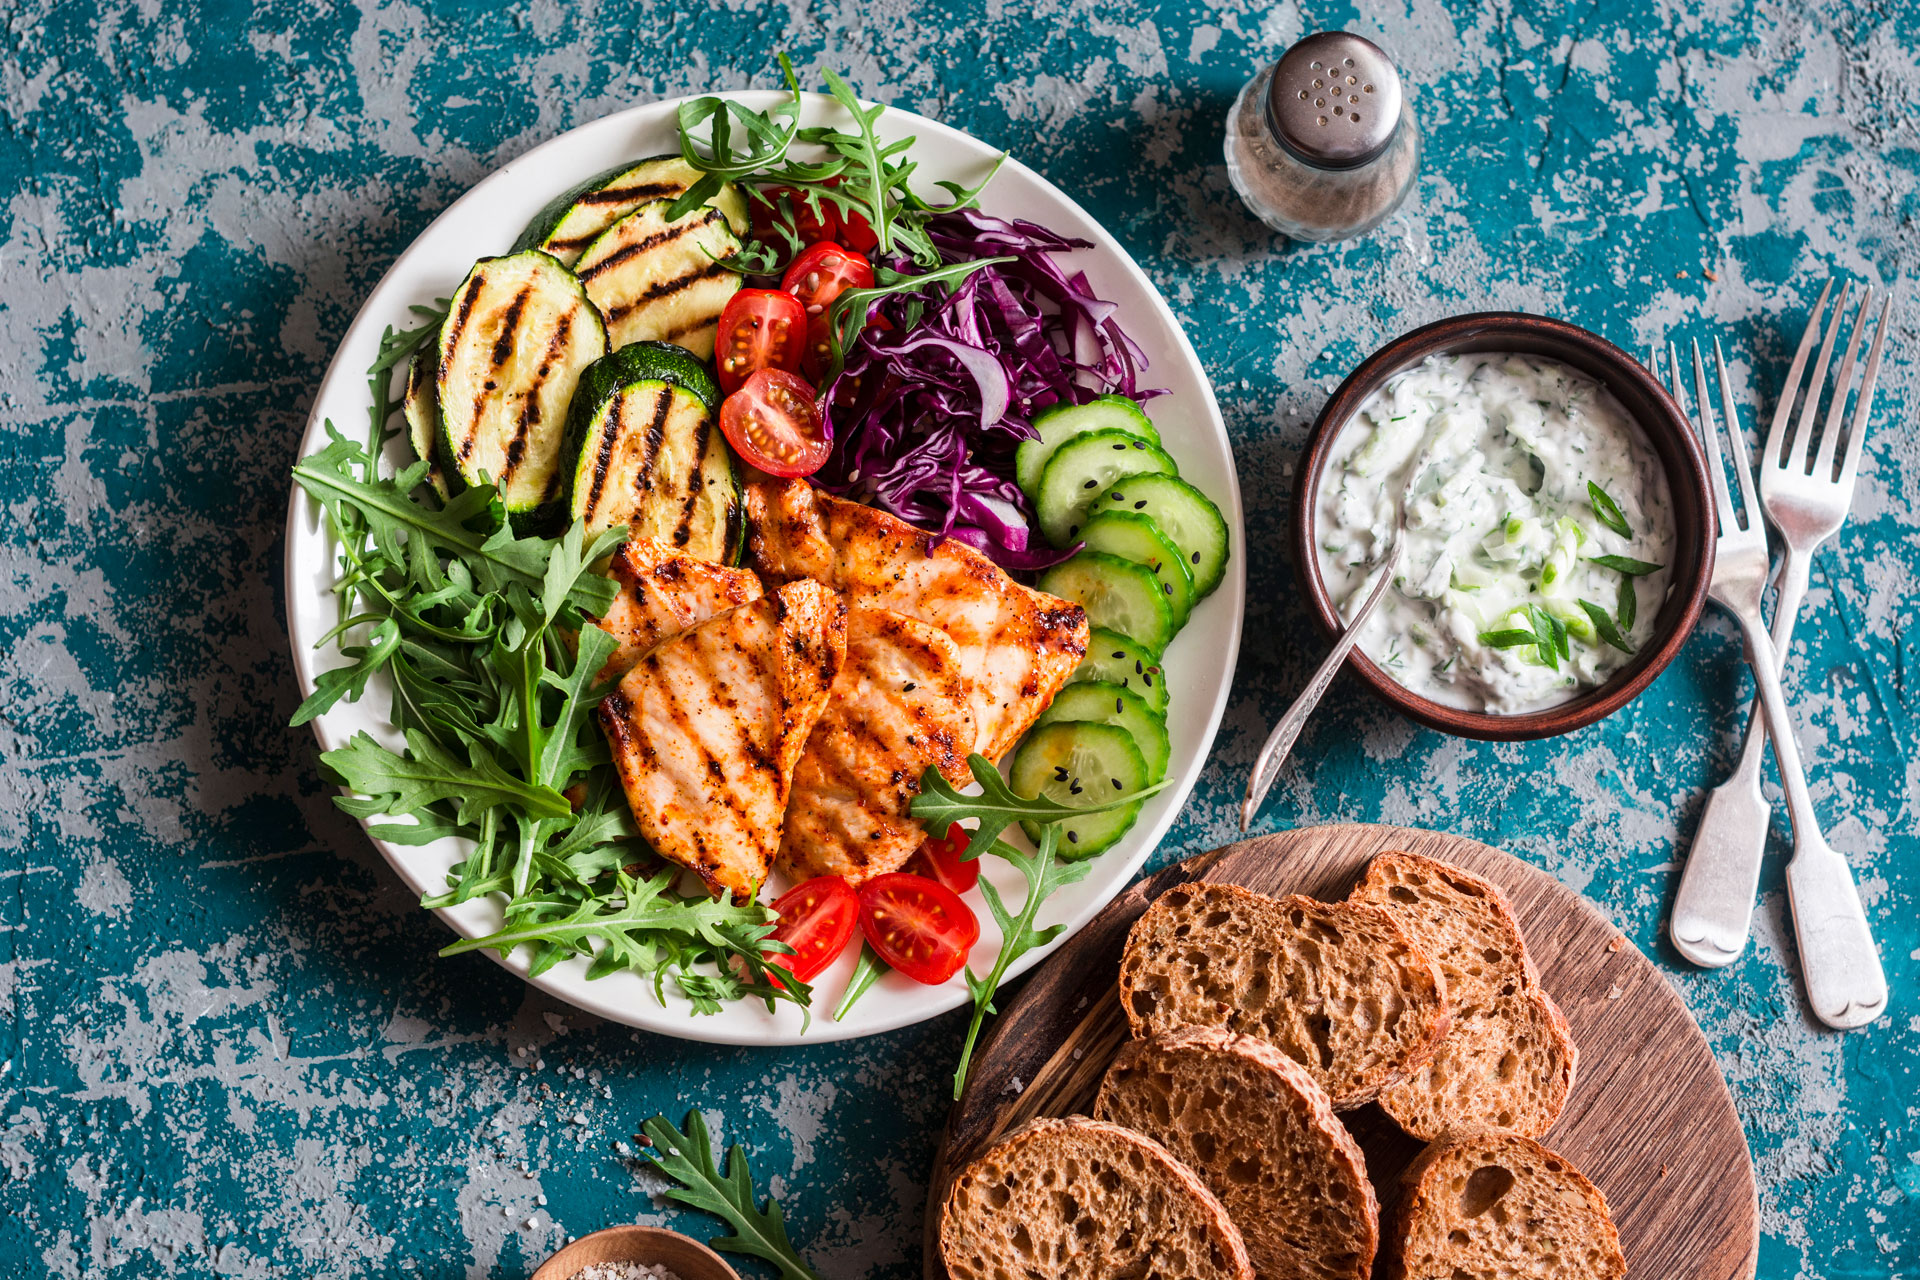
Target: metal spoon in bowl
(1266,768)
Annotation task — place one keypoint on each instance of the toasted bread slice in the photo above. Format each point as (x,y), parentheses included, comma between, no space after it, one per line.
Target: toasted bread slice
(1509,1060)
(1263,1137)
(1339,988)
(1497,1204)
(1079,1199)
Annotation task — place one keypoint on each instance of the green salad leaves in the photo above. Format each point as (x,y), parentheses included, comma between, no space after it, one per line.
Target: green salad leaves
(485,638)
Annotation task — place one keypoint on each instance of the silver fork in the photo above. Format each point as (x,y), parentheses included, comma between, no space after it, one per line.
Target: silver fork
(1841,967)
(1807,502)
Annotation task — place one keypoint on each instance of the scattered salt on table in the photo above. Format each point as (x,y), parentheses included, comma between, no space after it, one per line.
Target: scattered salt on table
(624,1271)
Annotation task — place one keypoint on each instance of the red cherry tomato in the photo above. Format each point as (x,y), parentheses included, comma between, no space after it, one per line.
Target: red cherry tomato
(817,917)
(771,207)
(938,858)
(856,232)
(774,423)
(817,277)
(759,329)
(919,926)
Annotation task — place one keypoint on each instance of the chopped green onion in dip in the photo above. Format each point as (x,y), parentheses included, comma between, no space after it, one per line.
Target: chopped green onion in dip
(1539,531)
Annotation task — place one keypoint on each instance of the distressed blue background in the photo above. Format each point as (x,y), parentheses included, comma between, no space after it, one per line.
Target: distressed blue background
(228,1046)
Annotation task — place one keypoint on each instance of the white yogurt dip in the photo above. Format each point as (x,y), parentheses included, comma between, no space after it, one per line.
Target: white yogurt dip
(1534,506)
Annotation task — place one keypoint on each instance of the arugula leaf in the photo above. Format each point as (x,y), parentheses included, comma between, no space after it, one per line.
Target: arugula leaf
(1626,564)
(939,805)
(865,974)
(1604,624)
(1607,510)
(1044,872)
(688,1159)
(329,687)
(428,774)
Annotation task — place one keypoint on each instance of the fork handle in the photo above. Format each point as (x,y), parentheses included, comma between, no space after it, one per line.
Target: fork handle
(1713,909)
(1845,983)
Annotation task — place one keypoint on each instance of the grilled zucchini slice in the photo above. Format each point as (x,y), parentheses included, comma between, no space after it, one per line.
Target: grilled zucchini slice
(575,219)
(643,450)
(518,333)
(658,280)
(421,408)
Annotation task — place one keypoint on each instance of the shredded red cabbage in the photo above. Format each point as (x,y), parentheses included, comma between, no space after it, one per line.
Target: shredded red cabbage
(941,386)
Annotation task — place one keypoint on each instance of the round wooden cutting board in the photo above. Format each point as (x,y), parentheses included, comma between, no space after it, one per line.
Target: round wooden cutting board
(1649,1118)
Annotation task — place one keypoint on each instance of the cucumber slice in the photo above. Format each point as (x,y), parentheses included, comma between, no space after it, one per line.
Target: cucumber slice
(575,218)
(1113,658)
(1133,536)
(1117,594)
(1185,515)
(1076,762)
(1084,468)
(1060,423)
(1119,706)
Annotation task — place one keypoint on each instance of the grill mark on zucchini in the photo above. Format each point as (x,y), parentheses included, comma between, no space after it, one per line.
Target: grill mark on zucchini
(666,289)
(452,329)
(630,195)
(628,252)
(530,407)
(696,482)
(509,323)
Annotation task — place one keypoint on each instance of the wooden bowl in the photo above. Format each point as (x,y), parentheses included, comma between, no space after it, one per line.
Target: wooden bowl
(648,1246)
(1667,430)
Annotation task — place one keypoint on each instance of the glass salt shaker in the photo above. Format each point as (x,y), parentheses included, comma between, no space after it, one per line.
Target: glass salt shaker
(1322,144)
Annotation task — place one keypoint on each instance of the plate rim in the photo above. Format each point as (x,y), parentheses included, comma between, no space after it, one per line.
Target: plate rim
(566,982)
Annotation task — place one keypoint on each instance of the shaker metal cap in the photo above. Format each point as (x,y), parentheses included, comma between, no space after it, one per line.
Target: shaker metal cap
(1334,101)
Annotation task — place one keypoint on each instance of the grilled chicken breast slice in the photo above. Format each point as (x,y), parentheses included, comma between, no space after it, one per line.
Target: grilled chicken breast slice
(707,727)
(1017,646)
(664,592)
(899,707)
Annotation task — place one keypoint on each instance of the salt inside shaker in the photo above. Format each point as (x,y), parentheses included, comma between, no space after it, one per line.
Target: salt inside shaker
(1322,144)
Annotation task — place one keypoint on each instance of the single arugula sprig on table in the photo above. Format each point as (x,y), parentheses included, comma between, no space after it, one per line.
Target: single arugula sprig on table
(486,638)
(688,1159)
(940,805)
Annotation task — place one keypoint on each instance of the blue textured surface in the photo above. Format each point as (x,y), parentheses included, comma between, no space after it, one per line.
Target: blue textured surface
(228,1047)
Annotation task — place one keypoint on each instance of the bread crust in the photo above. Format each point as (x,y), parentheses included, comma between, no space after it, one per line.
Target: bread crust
(1295,995)
(1424,1200)
(1268,1216)
(1051,1141)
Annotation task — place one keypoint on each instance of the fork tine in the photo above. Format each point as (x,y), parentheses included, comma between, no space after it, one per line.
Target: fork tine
(1858,433)
(1775,453)
(1737,439)
(1842,383)
(1802,461)
(1709,440)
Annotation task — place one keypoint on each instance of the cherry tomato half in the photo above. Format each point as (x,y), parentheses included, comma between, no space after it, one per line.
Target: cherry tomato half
(817,917)
(771,207)
(823,273)
(759,329)
(919,926)
(938,858)
(774,423)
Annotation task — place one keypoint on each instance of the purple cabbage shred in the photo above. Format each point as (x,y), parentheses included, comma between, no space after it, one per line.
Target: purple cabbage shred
(941,386)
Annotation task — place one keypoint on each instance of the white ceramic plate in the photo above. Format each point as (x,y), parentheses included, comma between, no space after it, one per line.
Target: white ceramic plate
(1200,661)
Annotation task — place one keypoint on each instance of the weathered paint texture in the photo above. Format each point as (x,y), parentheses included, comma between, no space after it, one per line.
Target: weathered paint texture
(227,1045)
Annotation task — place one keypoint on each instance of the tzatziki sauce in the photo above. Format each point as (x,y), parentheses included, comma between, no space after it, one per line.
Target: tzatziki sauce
(1539,531)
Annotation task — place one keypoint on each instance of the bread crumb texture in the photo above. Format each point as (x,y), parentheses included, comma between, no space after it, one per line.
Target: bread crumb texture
(1339,988)
(1078,1199)
(1500,1205)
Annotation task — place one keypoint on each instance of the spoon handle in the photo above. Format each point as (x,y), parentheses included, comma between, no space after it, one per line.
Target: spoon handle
(1266,768)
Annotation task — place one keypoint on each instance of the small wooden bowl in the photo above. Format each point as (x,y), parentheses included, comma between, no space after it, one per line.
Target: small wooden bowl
(647,1246)
(1667,430)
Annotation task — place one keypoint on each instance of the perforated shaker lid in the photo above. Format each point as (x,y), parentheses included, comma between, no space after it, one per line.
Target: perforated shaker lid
(1335,100)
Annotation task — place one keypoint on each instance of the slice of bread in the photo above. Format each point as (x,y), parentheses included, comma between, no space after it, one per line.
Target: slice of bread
(1508,1062)
(1339,988)
(1079,1199)
(1263,1137)
(1497,1204)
